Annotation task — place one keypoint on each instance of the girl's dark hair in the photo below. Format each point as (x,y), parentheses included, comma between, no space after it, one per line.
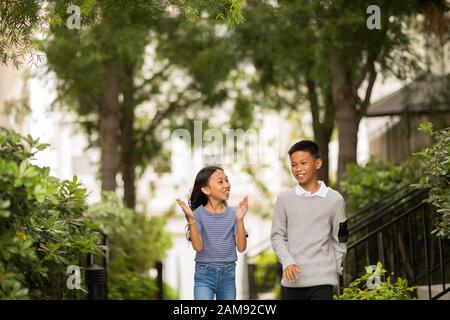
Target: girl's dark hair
(198,198)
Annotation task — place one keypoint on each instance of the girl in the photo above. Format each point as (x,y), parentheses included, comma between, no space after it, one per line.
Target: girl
(215,230)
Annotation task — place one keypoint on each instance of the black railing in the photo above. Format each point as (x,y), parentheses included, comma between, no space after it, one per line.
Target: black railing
(386,209)
(398,234)
(390,197)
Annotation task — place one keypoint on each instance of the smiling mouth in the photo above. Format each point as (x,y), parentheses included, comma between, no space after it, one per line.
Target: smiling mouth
(300,175)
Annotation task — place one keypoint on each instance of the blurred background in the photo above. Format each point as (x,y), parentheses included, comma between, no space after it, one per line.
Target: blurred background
(135,97)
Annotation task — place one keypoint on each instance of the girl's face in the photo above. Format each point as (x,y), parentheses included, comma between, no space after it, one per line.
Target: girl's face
(218,186)
(304,167)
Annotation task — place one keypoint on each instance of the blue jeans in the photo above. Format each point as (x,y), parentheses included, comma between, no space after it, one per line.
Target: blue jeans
(218,280)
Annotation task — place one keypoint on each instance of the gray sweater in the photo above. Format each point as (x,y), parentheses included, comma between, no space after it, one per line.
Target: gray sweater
(305,231)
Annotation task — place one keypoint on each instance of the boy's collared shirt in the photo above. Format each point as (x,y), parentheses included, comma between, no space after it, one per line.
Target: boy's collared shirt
(308,230)
(322,192)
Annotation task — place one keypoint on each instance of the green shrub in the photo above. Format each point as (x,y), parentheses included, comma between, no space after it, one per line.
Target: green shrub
(382,290)
(266,271)
(436,176)
(363,185)
(42,228)
(136,242)
(134,286)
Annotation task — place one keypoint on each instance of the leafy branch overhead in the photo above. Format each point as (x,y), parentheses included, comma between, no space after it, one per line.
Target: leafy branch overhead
(21,20)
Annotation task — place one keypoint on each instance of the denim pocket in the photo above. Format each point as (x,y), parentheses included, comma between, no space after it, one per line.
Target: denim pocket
(230,273)
(201,268)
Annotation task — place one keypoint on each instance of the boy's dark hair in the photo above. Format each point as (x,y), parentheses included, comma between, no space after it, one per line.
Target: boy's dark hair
(306,145)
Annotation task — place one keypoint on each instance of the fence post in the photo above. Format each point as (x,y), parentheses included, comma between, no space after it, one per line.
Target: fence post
(97,276)
(159,279)
(252,294)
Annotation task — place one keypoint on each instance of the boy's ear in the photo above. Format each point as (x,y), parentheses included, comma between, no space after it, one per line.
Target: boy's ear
(319,163)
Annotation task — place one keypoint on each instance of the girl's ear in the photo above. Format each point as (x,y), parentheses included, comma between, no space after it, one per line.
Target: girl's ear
(205,190)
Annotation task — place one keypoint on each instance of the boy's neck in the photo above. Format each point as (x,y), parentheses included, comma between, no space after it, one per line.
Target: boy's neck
(312,187)
(216,206)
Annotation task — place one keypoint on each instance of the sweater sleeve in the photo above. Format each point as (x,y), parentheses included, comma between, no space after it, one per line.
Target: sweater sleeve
(278,235)
(339,235)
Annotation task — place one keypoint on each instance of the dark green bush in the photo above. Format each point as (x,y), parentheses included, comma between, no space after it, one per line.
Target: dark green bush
(363,185)
(134,286)
(42,228)
(45,226)
(429,168)
(436,176)
(382,290)
(267,273)
(136,242)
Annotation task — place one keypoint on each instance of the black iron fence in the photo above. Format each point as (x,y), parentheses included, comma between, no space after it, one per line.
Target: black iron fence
(399,234)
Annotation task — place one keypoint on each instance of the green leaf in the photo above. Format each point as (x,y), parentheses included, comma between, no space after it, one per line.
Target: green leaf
(23,166)
(42,146)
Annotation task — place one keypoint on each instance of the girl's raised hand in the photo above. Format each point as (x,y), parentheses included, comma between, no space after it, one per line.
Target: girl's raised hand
(241,210)
(187,211)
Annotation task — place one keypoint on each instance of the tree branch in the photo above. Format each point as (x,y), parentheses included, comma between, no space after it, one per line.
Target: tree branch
(365,103)
(313,104)
(162,114)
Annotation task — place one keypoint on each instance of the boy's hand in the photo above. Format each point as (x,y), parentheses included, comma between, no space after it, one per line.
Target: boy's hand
(187,211)
(291,272)
(241,211)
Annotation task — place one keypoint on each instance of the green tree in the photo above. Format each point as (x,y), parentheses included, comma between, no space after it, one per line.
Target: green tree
(325,54)
(391,50)
(106,94)
(18,20)
(95,70)
(274,38)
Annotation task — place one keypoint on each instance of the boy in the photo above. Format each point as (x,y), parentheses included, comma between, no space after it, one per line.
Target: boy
(309,229)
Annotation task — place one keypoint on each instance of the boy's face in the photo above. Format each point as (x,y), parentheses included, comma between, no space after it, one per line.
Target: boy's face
(218,186)
(304,167)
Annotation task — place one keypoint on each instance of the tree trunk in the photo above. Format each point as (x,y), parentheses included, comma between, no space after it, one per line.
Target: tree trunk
(347,116)
(347,123)
(322,128)
(127,140)
(323,139)
(109,127)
